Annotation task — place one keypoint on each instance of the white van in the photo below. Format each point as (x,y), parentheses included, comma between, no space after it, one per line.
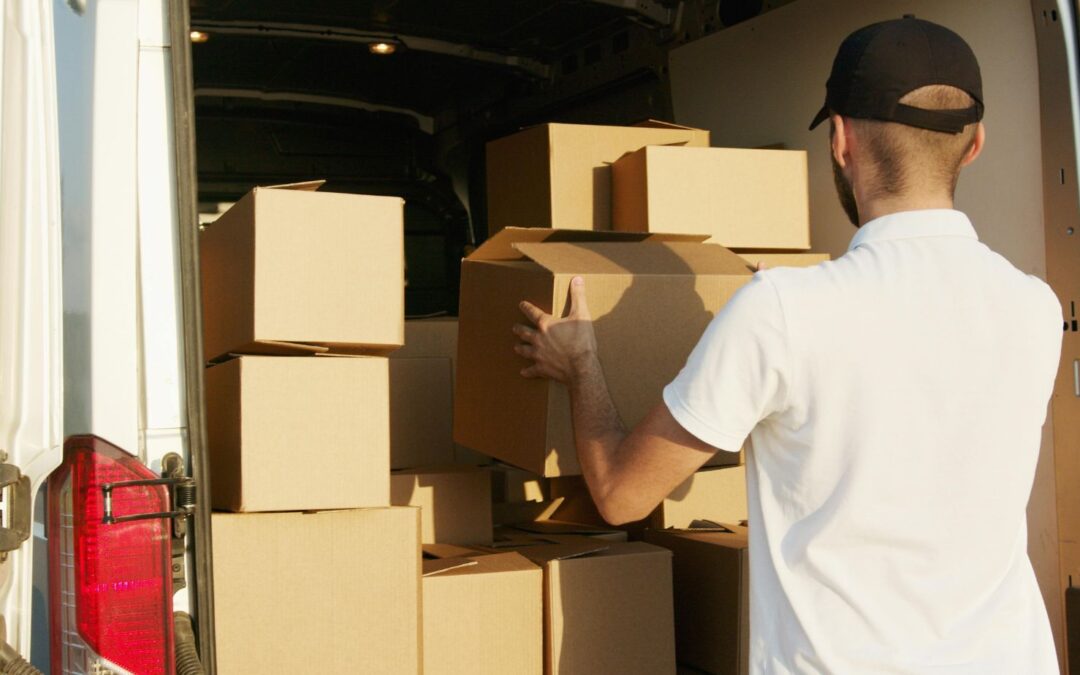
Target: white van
(103,104)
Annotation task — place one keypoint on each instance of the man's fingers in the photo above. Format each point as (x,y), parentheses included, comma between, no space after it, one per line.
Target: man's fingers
(528,351)
(525,333)
(579,306)
(530,372)
(532,312)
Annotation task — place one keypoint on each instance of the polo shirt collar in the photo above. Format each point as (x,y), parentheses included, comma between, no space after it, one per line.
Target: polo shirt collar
(915,225)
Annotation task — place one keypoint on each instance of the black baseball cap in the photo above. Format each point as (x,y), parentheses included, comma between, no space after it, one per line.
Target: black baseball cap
(879,64)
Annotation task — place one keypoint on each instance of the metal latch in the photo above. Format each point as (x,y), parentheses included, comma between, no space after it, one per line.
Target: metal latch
(181,495)
(16,530)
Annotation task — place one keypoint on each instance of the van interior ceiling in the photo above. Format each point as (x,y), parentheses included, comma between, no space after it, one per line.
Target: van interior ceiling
(398,97)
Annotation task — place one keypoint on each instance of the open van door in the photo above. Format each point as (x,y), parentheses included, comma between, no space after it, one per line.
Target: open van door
(30,304)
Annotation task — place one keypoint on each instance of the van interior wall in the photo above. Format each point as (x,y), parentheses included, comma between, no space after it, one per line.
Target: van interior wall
(760,82)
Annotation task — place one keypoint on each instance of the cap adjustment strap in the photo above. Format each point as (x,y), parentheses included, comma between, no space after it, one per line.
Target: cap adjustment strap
(947,121)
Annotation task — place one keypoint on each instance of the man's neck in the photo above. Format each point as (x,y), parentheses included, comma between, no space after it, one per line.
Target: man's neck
(876,208)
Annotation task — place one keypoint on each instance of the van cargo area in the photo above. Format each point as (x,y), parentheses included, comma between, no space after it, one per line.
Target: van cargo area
(361,193)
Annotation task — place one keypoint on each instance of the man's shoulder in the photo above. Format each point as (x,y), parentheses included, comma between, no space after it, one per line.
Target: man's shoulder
(1030,285)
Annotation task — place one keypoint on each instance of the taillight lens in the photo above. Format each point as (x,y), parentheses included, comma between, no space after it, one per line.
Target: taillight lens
(110,584)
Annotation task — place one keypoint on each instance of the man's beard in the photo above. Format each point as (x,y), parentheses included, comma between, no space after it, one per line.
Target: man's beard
(845,193)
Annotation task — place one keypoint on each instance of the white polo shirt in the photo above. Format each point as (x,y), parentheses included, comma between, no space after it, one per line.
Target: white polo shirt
(892,401)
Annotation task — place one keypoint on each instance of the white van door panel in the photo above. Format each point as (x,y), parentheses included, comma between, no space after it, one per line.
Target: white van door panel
(31,379)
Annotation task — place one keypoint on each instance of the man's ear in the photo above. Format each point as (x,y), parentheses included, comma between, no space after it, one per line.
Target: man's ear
(839,140)
(976,145)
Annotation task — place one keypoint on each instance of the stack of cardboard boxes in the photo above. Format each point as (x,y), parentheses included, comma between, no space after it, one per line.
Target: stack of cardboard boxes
(298,426)
(664,230)
(325,408)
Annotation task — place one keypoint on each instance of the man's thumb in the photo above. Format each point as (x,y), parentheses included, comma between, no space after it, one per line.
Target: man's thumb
(579,307)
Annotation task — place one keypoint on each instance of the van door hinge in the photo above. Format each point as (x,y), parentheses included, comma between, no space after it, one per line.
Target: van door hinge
(15,497)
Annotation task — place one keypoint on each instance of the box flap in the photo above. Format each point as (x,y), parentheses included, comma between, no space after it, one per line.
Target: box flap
(437,551)
(706,530)
(659,258)
(550,527)
(707,526)
(440,565)
(307,185)
(660,124)
(545,553)
(501,245)
(521,512)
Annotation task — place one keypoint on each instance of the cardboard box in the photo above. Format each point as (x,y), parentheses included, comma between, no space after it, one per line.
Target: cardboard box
(454,501)
(434,338)
(559,175)
(422,394)
(717,494)
(290,433)
(559,530)
(510,484)
(483,615)
(712,597)
(421,412)
(650,301)
(289,271)
(511,513)
(608,607)
(740,198)
(772,259)
(325,592)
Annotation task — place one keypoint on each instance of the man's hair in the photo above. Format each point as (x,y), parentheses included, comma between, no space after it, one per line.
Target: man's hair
(907,157)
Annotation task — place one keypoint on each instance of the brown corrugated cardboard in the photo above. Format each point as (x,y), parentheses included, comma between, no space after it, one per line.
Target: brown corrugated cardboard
(454,501)
(510,513)
(421,412)
(290,433)
(772,259)
(717,494)
(740,198)
(510,484)
(558,530)
(483,615)
(607,607)
(422,396)
(559,175)
(326,592)
(292,271)
(650,303)
(712,604)
(429,338)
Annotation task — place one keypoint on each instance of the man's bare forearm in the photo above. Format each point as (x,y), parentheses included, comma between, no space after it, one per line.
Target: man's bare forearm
(598,429)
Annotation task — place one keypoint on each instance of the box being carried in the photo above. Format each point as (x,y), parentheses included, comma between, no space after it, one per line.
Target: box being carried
(326,592)
(651,297)
(740,198)
(288,270)
(559,175)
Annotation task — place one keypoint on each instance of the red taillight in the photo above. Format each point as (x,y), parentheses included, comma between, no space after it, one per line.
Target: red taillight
(110,584)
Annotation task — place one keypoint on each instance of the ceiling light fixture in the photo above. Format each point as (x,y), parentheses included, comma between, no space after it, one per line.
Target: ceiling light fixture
(382,48)
(199,37)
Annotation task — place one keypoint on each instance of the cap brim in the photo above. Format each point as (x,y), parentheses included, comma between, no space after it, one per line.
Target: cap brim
(822,115)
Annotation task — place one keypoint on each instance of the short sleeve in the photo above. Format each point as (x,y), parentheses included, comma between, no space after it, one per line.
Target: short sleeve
(739,372)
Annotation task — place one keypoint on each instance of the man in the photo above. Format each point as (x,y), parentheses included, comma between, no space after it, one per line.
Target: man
(891,400)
